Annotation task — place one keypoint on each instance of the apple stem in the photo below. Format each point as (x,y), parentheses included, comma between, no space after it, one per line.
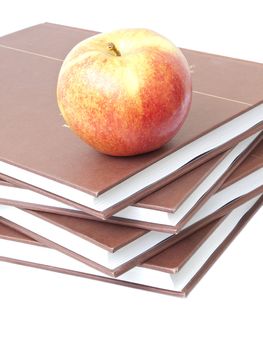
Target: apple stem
(113,48)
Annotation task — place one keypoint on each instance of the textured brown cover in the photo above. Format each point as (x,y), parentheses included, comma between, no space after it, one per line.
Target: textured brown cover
(171,196)
(178,190)
(108,236)
(172,259)
(253,162)
(245,164)
(138,260)
(182,251)
(30,62)
(239,169)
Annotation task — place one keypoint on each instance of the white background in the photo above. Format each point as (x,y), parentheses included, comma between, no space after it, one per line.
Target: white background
(44,310)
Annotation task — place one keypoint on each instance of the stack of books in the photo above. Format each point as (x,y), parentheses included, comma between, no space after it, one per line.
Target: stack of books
(156,221)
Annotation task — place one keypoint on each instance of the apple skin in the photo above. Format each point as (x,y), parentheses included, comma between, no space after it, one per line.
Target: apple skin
(126,92)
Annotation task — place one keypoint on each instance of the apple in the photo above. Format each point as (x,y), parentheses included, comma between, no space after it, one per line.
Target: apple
(126,92)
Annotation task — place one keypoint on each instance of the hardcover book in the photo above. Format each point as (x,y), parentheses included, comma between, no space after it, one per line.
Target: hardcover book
(226,109)
(174,272)
(114,249)
(167,209)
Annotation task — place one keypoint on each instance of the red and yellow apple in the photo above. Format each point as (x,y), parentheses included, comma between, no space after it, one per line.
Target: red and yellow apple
(126,92)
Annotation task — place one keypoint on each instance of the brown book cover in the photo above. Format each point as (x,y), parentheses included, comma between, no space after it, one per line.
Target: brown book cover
(51,160)
(174,194)
(193,256)
(114,249)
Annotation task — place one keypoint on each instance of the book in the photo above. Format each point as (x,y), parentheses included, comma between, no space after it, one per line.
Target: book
(226,109)
(114,249)
(174,272)
(167,209)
